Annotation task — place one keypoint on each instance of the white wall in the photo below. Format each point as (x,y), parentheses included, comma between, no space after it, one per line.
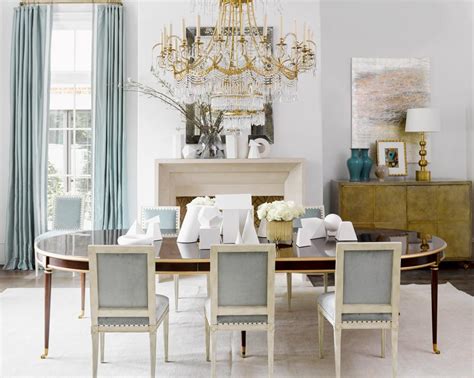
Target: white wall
(6,15)
(297,125)
(441,30)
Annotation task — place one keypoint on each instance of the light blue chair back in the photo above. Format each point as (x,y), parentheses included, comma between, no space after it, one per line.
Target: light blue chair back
(242,278)
(169,218)
(367,280)
(68,212)
(122,285)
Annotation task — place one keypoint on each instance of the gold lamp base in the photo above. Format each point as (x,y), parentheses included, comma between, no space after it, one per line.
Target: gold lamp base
(423,176)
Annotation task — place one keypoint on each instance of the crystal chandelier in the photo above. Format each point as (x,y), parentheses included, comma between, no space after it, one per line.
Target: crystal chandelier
(236,69)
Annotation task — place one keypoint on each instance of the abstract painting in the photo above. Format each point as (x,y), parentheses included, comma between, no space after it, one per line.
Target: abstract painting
(382,91)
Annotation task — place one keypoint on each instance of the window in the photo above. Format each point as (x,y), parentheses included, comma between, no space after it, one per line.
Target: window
(70,116)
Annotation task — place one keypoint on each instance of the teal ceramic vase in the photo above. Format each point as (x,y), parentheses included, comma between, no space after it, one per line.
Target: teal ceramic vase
(367,164)
(355,165)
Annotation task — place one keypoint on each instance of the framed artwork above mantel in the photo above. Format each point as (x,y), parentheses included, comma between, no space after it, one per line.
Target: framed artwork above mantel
(192,133)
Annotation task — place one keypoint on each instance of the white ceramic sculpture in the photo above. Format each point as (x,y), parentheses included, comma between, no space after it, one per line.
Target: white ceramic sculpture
(238,239)
(315,226)
(135,235)
(303,238)
(209,236)
(189,231)
(243,142)
(263,147)
(346,232)
(254,153)
(210,217)
(234,210)
(189,152)
(249,235)
(332,222)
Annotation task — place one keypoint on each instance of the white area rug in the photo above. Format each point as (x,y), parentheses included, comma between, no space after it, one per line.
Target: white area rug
(295,338)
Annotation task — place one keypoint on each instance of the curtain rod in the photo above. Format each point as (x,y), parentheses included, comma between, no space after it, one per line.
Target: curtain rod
(37,2)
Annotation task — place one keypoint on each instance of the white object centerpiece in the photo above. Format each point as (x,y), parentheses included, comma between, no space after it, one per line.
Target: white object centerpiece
(136,236)
(210,220)
(279,217)
(189,231)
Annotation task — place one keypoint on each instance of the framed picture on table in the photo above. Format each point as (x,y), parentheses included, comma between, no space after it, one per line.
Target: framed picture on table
(392,153)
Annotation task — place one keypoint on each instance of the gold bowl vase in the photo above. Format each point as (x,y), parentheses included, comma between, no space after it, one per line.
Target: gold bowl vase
(280,232)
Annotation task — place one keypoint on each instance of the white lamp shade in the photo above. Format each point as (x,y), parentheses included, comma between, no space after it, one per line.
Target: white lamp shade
(423,120)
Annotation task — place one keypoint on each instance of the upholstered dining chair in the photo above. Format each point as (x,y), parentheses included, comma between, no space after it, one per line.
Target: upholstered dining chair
(242,294)
(123,299)
(367,294)
(310,212)
(68,214)
(170,221)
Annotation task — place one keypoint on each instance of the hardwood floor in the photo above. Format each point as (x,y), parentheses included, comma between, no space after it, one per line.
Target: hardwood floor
(461,278)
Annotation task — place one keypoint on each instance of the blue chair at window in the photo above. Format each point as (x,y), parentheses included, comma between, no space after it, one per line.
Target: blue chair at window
(310,212)
(169,225)
(68,216)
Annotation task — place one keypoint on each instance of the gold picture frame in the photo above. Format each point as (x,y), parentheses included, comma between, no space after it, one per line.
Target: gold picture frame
(393,154)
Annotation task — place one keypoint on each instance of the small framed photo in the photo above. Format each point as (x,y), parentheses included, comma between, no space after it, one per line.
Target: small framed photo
(393,154)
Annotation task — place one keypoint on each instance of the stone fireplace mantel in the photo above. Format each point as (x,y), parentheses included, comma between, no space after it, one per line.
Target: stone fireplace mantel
(207,177)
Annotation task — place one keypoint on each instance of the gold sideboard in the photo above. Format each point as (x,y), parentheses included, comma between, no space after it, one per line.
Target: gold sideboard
(441,208)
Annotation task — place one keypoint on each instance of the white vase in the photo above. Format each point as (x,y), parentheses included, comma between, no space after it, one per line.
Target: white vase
(189,231)
(244,143)
(178,145)
(231,146)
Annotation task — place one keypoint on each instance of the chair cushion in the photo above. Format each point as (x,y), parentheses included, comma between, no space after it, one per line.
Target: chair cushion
(234,318)
(162,306)
(328,303)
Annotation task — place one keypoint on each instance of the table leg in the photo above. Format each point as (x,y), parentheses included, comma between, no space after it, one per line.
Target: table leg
(83,295)
(48,275)
(434,307)
(243,343)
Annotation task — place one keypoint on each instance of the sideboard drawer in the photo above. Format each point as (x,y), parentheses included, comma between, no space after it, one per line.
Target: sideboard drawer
(422,203)
(358,204)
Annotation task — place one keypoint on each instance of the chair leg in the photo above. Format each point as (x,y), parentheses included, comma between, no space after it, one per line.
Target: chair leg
(321,333)
(206,326)
(382,347)
(337,350)
(176,291)
(394,351)
(271,343)
(208,282)
(325,282)
(102,347)
(289,288)
(166,327)
(95,352)
(152,353)
(213,353)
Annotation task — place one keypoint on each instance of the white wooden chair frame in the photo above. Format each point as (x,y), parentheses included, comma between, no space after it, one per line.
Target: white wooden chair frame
(149,311)
(289,277)
(212,326)
(341,308)
(81,223)
(178,225)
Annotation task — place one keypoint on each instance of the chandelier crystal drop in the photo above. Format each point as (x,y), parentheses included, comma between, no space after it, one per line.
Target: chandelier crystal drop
(236,69)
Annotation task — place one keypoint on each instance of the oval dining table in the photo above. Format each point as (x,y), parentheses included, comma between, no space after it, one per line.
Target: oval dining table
(68,252)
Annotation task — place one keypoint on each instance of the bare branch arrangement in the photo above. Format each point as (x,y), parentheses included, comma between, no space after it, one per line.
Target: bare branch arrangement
(206,123)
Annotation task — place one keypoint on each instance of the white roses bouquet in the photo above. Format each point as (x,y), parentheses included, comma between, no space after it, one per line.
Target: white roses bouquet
(279,211)
(203,201)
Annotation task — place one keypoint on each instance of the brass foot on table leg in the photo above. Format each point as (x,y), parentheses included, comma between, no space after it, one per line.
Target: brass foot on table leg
(435,349)
(242,351)
(45,354)
(81,315)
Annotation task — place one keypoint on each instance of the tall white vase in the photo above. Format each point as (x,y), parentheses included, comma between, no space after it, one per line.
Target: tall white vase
(178,145)
(244,143)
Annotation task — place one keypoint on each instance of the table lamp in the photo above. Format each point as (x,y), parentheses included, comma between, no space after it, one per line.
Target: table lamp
(423,120)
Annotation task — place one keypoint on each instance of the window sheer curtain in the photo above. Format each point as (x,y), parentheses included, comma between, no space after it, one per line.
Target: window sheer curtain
(109,146)
(26,217)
